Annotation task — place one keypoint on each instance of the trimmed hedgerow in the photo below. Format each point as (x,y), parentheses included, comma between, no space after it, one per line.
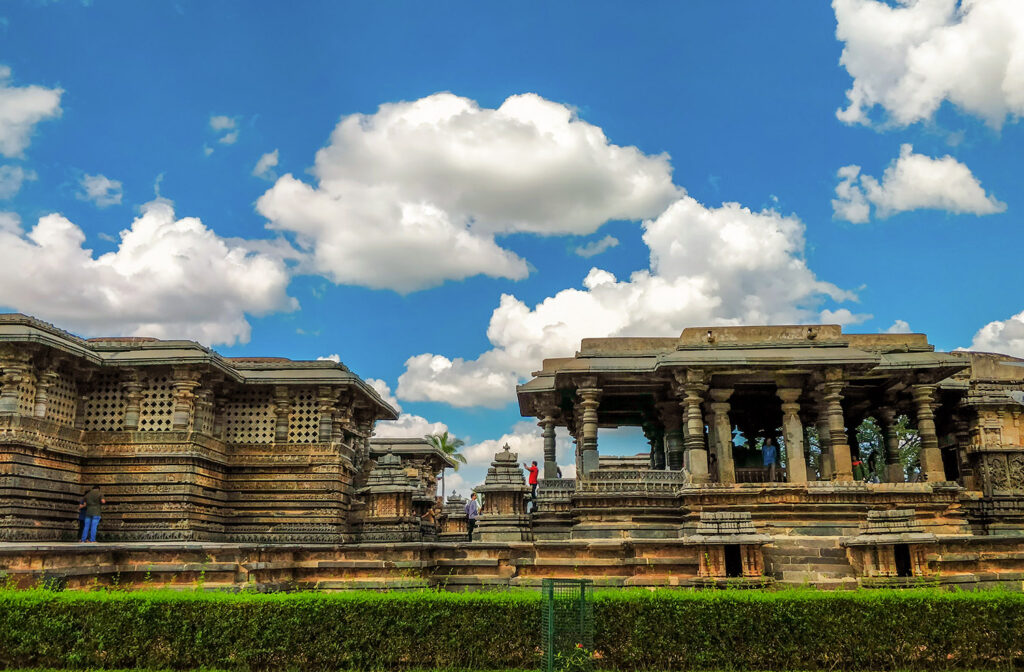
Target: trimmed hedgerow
(636,630)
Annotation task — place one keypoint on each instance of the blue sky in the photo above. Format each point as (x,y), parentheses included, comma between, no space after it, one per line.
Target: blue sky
(395,248)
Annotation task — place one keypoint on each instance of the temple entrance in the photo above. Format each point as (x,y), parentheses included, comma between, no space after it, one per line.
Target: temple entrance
(733,561)
(902,559)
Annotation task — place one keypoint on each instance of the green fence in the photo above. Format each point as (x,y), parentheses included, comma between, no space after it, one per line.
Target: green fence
(567,623)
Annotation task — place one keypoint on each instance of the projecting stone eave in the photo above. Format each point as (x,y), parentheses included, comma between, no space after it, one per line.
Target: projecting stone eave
(121,351)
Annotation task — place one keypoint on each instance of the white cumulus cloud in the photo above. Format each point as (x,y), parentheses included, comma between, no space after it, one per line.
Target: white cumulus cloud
(899,327)
(21,108)
(910,57)
(264,168)
(408,424)
(596,247)
(708,266)
(11,179)
(101,190)
(414,195)
(1005,337)
(168,278)
(912,182)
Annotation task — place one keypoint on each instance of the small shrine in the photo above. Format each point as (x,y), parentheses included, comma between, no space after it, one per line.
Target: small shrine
(389,514)
(505,492)
(730,546)
(893,544)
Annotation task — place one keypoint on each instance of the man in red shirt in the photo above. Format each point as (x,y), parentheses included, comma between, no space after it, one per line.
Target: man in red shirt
(532,480)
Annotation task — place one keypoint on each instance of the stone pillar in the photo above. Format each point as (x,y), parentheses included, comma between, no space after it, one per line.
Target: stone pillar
(46,381)
(839,448)
(893,469)
(283,411)
(722,433)
(656,439)
(15,369)
(672,439)
(132,389)
(547,425)
(825,443)
(793,433)
(931,457)
(326,399)
(696,448)
(590,398)
(184,382)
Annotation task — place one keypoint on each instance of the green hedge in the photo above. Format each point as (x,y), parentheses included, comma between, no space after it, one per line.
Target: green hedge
(648,630)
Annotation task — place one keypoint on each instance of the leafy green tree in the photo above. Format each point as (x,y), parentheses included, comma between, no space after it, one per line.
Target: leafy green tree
(449,445)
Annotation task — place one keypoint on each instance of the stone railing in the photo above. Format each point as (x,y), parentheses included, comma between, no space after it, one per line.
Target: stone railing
(611,481)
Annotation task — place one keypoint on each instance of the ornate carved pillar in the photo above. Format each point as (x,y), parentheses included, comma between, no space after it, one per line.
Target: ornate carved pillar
(722,434)
(656,439)
(672,439)
(341,429)
(185,381)
(547,425)
(132,400)
(15,369)
(326,401)
(931,457)
(43,386)
(283,411)
(590,398)
(893,469)
(696,448)
(793,433)
(839,448)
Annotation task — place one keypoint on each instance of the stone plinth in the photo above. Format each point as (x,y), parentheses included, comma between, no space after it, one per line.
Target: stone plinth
(505,491)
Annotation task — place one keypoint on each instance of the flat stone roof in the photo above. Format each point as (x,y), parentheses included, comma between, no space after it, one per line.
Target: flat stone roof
(131,351)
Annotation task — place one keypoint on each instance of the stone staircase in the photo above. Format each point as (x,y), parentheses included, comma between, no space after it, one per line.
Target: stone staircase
(815,561)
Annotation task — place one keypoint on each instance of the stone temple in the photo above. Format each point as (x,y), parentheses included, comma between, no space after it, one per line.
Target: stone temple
(263,471)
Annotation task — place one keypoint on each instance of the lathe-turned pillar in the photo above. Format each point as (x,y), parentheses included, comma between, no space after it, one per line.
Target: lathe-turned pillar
(547,425)
(722,434)
(793,433)
(839,448)
(893,469)
(931,457)
(693,389)
(590,398)
(672,439)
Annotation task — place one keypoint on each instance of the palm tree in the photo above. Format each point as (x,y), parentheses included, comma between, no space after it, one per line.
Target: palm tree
(448,445)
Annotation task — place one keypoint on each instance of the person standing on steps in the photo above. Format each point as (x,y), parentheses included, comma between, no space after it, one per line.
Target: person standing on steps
(532,480)
(92,504)
(472,513)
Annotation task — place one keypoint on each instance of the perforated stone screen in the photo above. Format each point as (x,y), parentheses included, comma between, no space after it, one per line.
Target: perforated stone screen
(62,401)
(304,420)
(26,396)
(103,409)
(156,411)
(249,416)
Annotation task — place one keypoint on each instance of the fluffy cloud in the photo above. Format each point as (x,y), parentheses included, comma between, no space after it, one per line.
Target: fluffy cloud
(899,327)
(11,179)
(169,278)
(407,424)
(21,108)
(265,166)
(227,126)
(708,266)
(1005,337)
(101,190)
(596,247)
(911,57)
(912,182)
(415,194)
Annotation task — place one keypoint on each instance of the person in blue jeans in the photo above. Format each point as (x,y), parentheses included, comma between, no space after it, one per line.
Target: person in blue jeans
(92,505)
